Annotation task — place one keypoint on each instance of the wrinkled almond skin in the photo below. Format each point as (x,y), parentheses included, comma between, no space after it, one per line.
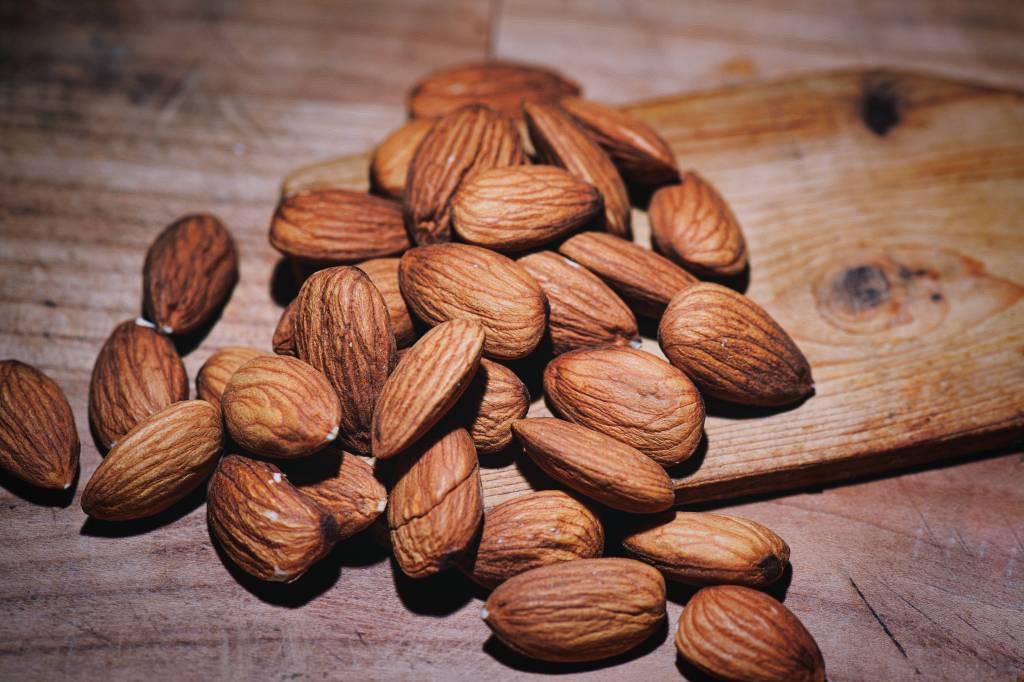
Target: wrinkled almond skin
(345,486)
(459,145)
(520,207)
(495,399)
(189,272)
(732,348)
(577,611)
(157,463)
(343,329)
(646,280)
(450,281)
(283,340)
(737,633)
(591,463)
(428,381)
(337,226)
(263,523)
(560,142)
(692,224)
(389,165)
(218,369)
(137,374)
(501,85)
(700,548)
(584,311)
(436,505)
(38,438)
(534,530)
(640,154)
(383,272)
(279,406)
(628,394)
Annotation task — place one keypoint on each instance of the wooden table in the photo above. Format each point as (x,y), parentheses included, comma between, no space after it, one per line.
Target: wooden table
(117,117)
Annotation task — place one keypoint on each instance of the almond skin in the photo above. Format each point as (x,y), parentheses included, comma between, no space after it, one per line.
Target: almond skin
(640,154)
(560,142)
(583,310)
(137,374)
(38,438)
(283,341)
(157,463)
(577,611)
(732,348)
(736,633)
(595,465)
(700,548)
(520,207)
(495,399)
(644,279)
(428,381)
(628,394)
(692,224)
(451,281)
(189,273)
(279,406)
(465,142)
(436,505)
(263,523)
(534,530)
(218,369)
(383,272)
(389,165)
(342,328)
(345,486)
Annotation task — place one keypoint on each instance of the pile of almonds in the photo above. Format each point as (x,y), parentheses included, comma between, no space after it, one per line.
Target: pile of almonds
(497,231)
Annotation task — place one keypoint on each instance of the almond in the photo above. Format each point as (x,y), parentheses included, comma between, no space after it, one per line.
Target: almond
(640,154)
(630,395)
(437,503)
(577,611)
(644,279)
(189,273)
(137,374)
(520,207)
(389,165)
(501,85)
(157,463)
(583,310)
(431,377)
(337,226)
(279,406)
(700,548)
(218,369)
(732,348)
(451,281)
(263,523)
(692,224)
(342,328)
(595,465)
(560,142)
(534,530)
(383,272)
(284,333)
(38,438)
(345,486)
(737,633)
(494,400)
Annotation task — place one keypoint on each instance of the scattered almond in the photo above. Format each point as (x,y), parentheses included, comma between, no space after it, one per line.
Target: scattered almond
(494,400)
(389,165)
(283,341)
(345,486)
(218,369)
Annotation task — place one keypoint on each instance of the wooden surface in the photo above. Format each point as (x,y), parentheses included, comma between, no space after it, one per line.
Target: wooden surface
(116,118)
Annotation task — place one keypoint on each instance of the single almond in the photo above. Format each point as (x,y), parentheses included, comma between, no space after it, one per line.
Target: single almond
(732,348)
(383,272)
(345,486)
(218,369)
(283,340)
(389,165)
(495,399)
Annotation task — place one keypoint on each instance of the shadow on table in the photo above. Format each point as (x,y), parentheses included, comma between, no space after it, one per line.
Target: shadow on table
(122,529)
(39,496)
(437,595)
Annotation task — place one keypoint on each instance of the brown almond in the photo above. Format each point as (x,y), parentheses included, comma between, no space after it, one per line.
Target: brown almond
(646,280)
(628,394)
(157,463)
(732,348)
(692,224)
(263,523)
(218,369)
(577,611)
(38,438)
(560,142)
(534,530)
(345,486)
(640,154)
(342,328)
(736,633)
(189,273)
(583,310)
(451,281)
(596,465)
(383,272)
(519,207)
(283,341)
(700,548)
(494,400)
(436,504)
(389,165)
(137,374)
